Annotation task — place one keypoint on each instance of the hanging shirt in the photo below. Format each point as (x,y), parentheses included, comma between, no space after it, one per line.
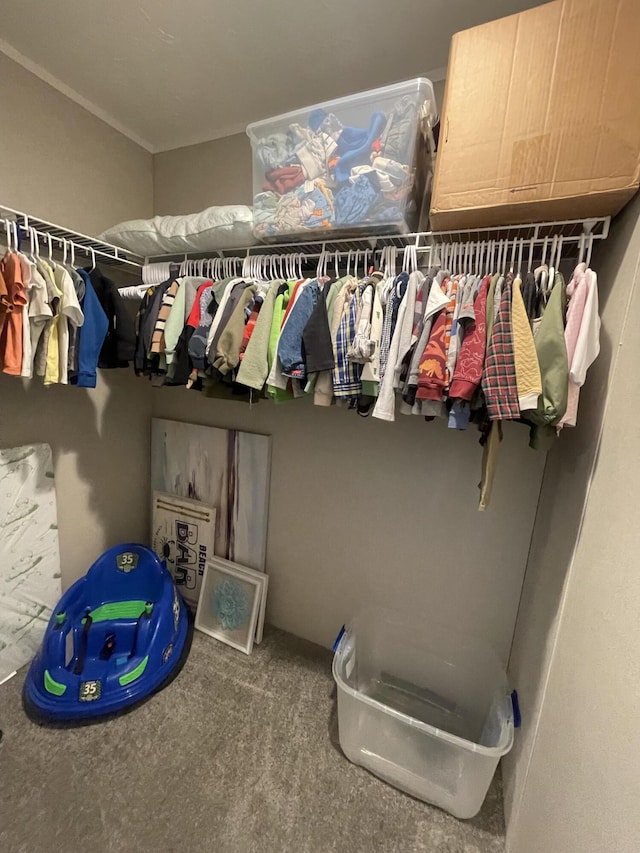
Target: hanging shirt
(255,365)
(181,367)
(436,300)
(39,313)
(528,377)
(371,370)
(433,377)
(277,393)
(251,323)
(11,337)
(70,315)
(198,342)
(400,344)
(182,305)
(581,334)
(91,337)
(74,331)
(52,367)
(6,306)
(157,338)
(554,370)
(499,380)
(316,338)
(290,348)
(346,374)
(41,347)
(393,300)
(227,352)
(120,342)
(468,372)
(27,357)
(465,284)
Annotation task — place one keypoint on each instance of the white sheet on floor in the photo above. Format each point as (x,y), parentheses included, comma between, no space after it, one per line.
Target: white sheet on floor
(29,556)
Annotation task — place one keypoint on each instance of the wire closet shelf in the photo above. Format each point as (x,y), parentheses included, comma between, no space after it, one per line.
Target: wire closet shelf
(291,257)
(55,236)
(532,234)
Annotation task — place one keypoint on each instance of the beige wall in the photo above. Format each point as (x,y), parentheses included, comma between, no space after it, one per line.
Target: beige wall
(363,511)
(59,162)
(192,178)
(568,783)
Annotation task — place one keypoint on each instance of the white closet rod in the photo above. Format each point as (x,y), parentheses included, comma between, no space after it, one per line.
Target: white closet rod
(268,260)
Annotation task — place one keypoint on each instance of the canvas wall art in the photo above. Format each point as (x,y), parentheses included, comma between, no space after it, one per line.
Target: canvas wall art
(183,535)
(30,583)
(225,469)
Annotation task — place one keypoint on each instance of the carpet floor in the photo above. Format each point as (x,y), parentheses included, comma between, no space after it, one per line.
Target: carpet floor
(238,755)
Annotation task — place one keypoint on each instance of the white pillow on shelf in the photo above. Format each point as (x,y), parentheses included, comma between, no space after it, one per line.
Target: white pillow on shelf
(223,227)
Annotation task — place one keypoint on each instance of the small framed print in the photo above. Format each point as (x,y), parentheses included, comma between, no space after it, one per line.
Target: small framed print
(229,605)
(263,580)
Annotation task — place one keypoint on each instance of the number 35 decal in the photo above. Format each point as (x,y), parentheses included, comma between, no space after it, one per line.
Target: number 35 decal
(89,691)
(127,561)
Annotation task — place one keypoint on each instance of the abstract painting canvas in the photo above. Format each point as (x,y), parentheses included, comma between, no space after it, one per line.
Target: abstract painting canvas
(29,556)
(183,535)
(225,469)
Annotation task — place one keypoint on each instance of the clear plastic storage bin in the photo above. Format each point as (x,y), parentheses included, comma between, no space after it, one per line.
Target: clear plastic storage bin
(354,165)
(426,712)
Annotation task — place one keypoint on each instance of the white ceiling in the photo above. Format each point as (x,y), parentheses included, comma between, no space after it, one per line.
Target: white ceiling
(171,73)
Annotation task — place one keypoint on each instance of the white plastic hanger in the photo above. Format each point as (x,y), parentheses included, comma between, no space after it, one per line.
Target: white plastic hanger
(582,244)
(559,253)
(319,269)
(589,248)
(530,264)
(520,250)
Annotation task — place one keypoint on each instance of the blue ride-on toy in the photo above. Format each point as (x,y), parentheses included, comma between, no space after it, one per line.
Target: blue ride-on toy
(117,635)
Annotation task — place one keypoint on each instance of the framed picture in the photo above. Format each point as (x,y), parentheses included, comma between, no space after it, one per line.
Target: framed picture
(229,605)
(225,469)
(263,580)
(183,534)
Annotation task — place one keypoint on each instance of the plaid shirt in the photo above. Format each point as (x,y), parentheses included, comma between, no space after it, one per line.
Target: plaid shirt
(499,377)
(346,374)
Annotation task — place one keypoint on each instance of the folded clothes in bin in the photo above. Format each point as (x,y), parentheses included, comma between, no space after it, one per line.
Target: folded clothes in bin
(349,164)
(422,708)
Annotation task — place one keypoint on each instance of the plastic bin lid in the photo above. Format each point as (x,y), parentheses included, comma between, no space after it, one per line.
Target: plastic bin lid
(421,86)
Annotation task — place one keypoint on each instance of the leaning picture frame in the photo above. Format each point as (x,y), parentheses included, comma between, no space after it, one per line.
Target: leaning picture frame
(263,580)
(229,604)
(183,535)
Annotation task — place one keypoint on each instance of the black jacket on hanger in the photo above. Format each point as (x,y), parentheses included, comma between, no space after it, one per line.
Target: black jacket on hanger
(120,343)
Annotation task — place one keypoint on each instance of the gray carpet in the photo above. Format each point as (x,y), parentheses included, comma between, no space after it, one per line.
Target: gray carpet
(239,755)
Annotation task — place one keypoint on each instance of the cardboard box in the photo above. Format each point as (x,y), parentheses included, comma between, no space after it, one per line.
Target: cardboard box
(541,117)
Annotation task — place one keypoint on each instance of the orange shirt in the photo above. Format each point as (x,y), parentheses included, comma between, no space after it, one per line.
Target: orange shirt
(6,305)
(11,337)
